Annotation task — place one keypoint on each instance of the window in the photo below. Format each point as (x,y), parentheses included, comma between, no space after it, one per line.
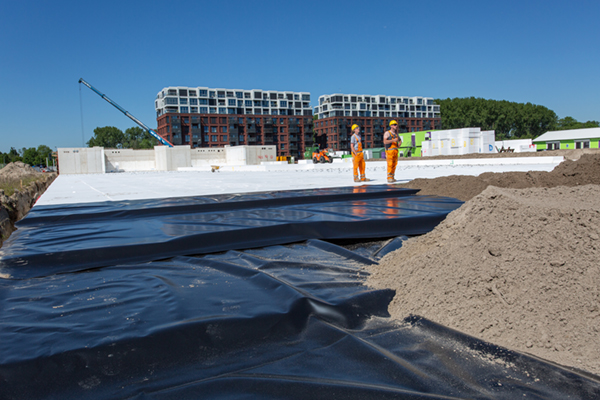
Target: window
(212,94)
(222,110)
(183,101)
(205,129)
(232,102)
(582,144)
(171,100)
(203,110)
(223,138)
(192,93)
(214,138)
(202,93)
(213,129)
(172,92)
(283,103)
(186,138)
(183,92)
(224,129)
(282,146)
(184,109)
(193,102)
(221,94)
(306,97)
(239,95)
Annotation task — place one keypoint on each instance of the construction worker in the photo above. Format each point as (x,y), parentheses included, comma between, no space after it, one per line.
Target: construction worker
(358,159)
(392,143)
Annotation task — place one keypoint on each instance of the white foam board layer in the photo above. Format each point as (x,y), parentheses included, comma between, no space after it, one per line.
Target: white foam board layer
(77,189)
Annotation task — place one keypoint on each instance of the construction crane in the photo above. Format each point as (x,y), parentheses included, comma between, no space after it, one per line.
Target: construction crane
(137,121)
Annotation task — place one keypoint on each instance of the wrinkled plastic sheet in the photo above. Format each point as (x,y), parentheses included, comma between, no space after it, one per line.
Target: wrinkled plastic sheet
(288,321)
(62,239)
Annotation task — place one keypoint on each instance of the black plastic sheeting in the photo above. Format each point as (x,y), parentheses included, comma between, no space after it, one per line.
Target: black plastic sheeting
(62,239)
(285,321)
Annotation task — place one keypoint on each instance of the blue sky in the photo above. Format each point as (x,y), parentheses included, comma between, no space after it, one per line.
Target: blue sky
(543,52)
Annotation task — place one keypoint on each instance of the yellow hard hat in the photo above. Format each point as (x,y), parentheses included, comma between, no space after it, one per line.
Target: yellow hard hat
(354,127)
(393,122)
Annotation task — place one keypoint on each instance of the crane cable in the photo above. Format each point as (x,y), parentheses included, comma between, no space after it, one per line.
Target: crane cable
(81,112)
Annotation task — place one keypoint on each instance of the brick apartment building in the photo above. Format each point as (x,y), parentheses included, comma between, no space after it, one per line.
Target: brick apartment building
(206,117)
(336,113)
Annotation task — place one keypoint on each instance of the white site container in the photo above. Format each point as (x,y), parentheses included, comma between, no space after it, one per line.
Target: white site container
(435,147)
(444,147)
(488,140)
(455,145)
(426,148)
(474,143)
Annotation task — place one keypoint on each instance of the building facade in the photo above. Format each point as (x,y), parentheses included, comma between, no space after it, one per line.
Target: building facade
(336,113)
(207,117)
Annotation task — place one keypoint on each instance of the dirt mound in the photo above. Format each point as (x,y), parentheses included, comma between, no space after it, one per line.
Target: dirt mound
(515,267)
(586,170)
(16,170)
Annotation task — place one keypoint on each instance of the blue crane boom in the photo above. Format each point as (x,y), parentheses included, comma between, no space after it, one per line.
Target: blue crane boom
(137,121)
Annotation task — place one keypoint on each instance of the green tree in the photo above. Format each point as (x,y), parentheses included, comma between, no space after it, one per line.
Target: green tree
(572,123)
(108,136)
(30,156)
(507,119)
(44,155)
(137,138)
(13,155)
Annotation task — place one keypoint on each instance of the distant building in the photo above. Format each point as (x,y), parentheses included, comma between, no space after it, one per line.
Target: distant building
(587,138)
(336,113)
(212,117)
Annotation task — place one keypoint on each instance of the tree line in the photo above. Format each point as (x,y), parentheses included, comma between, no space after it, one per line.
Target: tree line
(509,120)
(42,155)
(113,138)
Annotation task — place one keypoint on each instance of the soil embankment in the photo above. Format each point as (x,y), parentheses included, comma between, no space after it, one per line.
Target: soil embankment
(516,265)
(29,184)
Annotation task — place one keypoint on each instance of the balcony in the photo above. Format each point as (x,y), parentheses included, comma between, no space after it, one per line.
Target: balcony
(252,139)
(293,138)
(268,129)
(233,131)
(268,121)
(294,129)
(293,146)
(252,129)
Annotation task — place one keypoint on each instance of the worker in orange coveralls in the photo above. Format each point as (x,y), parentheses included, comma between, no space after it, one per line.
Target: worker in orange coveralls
(358,159)
(392,143)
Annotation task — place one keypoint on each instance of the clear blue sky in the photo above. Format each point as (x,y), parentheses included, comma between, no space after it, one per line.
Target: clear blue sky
(546,52)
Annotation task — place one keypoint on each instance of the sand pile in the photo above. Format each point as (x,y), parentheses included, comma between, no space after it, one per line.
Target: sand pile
(516,267)
(585,170)
(16,170)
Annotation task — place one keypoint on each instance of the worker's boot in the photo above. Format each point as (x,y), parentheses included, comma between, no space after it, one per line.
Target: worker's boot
(356,178)
(364,178)
(390,178)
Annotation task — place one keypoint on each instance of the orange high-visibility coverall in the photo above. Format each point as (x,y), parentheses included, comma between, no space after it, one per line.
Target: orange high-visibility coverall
(391,155)
(358,159)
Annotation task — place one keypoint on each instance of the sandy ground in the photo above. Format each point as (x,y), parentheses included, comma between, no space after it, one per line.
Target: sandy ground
(516,265)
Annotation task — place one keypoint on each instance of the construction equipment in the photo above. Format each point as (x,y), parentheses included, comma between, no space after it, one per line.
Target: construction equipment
(321,156)
(137,121)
